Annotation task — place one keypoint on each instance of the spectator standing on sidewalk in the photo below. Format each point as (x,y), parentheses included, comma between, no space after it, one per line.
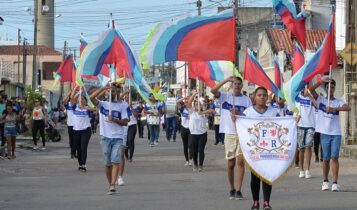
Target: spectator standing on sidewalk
(10,118)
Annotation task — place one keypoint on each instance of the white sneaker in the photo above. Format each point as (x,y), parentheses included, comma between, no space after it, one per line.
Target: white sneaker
(187,163)
(325,186)
(120,181)
(307,174)
(335,188)
(302,174)
(35,147)
(195,168)
(43,148)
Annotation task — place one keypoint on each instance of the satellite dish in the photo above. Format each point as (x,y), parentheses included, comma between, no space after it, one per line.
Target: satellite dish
(45,8)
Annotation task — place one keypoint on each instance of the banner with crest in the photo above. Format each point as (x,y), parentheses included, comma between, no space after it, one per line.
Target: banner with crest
(268,145)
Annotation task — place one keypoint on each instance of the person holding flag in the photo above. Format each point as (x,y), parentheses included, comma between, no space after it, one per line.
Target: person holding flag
(113,118)
(232,103)
(328,125)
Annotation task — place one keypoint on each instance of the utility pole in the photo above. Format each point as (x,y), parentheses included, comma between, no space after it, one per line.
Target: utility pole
(61,90)
(34,63)
(199,5)
(24,63)
(18,54)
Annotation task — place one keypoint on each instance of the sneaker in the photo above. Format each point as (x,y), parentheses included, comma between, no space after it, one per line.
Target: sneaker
(120,181)
(232,194)
(239,195)
(195,168)
(152,145)
(43,148)
(307,174)
(325,186)
(200,168)
(302,174)
(187,163)
(255,205)
(266,206)
(35,147)
(111,191)
(335,187)
(156,143)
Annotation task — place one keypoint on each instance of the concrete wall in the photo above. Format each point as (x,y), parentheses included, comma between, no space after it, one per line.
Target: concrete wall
(45,25)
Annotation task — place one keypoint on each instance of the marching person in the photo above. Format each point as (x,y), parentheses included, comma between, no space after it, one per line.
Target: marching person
(328,125)
(170,121)
(219,137)
(69,110)
(9,119)
(185,131)
(233,151)
(82,115)
(111,129)
(133,115)
(154,112)
(198,129)
(139,110)
(305,131)
(260,109)
(39,120)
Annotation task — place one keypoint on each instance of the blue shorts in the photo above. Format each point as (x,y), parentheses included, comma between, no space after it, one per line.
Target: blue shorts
(10,131)
(305,137)
(111,148)
(330,146)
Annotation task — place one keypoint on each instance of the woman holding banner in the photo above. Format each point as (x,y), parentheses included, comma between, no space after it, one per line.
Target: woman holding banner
(260,109)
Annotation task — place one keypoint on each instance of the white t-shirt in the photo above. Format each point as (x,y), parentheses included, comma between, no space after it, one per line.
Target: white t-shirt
(328,123)
(307,112)
(241,103)
(184,117)
(132,118)
(81,118)
(69,109)
(269,112)
(108,128)
(283,111)
(197,123)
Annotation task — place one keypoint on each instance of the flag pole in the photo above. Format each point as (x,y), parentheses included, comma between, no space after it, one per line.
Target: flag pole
(329,87)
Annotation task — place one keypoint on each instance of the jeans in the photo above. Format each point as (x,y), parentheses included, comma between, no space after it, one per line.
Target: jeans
(129,152)
(154,133)
(81,141)
(111,149)
(171,127)
(198,148)
(330,146)
(218,136)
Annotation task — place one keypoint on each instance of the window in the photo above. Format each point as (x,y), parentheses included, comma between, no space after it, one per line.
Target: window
(48,68)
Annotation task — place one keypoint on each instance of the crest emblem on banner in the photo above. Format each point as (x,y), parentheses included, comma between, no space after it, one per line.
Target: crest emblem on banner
(268,145)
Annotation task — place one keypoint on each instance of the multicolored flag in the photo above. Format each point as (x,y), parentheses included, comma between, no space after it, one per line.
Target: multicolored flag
(278,76)
(254,73)
(198,38)
(319,63)
(294,22)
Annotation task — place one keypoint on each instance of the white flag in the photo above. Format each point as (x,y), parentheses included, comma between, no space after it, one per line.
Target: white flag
(268,145)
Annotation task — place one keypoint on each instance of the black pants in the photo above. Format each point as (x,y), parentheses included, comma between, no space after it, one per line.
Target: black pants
(198,148)
(129,152)
(71,140)
(81,140)
(187,143)
(3,139)
(317,146)
(140,129)
(218,136)
(38,125)
(148,131)
(255,187)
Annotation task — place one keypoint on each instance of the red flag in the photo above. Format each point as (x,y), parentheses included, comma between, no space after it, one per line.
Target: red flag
(254,73)
(200,70)
(277,73)
(65,69)
(297,58)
